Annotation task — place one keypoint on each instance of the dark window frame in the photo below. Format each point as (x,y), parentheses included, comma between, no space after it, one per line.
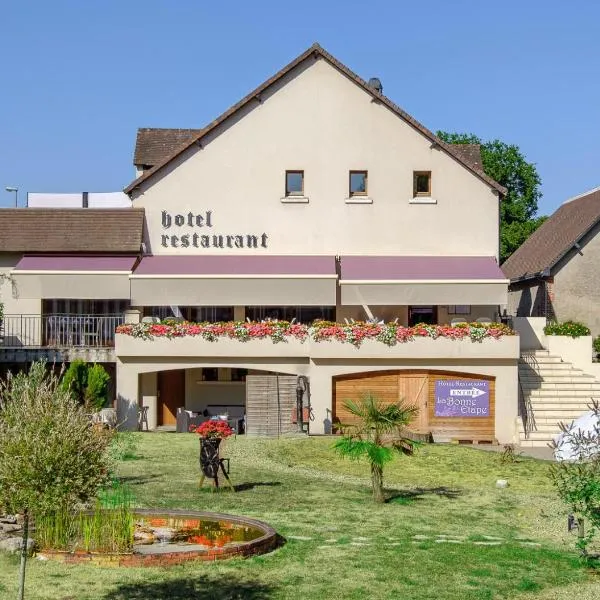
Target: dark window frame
(416,175)
(291,193)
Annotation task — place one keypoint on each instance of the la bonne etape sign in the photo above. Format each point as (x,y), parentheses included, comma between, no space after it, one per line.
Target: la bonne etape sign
(462,398)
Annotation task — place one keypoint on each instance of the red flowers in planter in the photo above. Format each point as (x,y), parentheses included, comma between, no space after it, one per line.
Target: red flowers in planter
(216,429)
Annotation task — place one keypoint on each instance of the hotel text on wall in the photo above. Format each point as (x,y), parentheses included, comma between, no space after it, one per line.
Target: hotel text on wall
(194,230)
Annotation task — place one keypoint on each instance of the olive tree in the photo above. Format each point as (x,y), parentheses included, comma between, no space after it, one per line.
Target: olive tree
(577,474)
(51,458)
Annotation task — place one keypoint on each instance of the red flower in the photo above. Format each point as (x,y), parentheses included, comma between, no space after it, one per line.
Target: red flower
(216,429)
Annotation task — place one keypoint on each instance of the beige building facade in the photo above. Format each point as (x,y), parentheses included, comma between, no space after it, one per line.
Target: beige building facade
(315,197)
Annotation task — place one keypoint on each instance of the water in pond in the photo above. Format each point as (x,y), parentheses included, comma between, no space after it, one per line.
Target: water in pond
(182,531)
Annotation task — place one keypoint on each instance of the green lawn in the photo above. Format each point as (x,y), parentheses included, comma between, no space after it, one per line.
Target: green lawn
(437,538)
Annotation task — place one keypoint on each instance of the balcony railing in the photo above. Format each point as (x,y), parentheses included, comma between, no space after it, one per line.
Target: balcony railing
(59,331)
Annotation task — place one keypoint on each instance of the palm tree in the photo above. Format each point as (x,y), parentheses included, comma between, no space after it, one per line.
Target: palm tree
(376,434)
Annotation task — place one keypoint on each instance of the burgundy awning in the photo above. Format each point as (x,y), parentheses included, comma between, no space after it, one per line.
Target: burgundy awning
(293,266)
(235,281)
(424,280)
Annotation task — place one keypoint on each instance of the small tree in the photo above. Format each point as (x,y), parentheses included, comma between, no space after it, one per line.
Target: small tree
(88,383)
(376,435)
(50,457)
(577,477)
(96,391)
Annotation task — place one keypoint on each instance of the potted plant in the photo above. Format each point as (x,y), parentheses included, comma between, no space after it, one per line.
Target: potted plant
(211,433)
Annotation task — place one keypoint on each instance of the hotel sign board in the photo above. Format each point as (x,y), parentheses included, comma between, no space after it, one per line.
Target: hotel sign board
(462,398)
(195,230)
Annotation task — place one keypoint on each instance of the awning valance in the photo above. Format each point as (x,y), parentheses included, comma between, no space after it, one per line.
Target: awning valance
(81,277)
(234,281)
(422,280)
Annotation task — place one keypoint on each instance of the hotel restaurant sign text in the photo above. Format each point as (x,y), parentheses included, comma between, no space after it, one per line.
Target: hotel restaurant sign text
(192,230)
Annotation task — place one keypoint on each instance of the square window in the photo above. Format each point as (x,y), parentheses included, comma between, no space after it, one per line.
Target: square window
(358,183)
(294,183)
(421,183)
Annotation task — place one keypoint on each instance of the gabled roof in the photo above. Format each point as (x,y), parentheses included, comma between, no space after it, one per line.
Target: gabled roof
(471,153)
(555,237)
(153,145)
(317,52)
(71,229)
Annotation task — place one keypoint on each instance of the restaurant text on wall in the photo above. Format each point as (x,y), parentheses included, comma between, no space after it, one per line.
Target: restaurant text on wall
(190,230)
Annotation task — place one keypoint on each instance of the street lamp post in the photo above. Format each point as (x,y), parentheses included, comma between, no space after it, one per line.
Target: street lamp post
(16,192)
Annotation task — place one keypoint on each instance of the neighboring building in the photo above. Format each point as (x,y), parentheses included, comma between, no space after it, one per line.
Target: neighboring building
(81,200)
(313,197)
(554,274)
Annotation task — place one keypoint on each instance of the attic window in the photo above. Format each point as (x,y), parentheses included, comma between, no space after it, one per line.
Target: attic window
(421,183)
(358,183)
(294,183)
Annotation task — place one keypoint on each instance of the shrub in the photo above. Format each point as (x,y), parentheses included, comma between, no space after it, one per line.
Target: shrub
(578,480)
(88,383)
(51,459)
(570,328)
(96,391)
(596,345)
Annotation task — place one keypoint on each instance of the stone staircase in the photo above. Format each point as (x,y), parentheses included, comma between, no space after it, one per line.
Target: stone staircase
(551,391)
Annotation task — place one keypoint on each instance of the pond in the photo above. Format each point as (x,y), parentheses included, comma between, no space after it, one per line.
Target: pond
(164,538)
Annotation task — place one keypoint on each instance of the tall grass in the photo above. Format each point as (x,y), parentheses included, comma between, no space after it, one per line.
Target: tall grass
(106,528)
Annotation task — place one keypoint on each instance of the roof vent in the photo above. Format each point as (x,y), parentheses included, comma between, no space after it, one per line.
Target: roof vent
(376,84)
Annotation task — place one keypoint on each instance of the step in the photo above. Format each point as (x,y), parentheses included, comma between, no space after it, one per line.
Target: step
(559,377)
(573,392)
(551,368)
(540,436)
(529,443)
(558,366)
(575,386)
(558,414)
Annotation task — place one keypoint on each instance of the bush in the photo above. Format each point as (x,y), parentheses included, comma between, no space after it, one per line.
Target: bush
(578,480)
(570,328)
(51,459)
(88,383)
(96,391)
(596,345)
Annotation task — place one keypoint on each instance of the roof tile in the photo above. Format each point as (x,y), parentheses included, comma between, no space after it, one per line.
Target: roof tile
(71,229)
(555,237)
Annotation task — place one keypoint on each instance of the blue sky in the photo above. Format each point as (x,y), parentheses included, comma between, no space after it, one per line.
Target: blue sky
(77,78)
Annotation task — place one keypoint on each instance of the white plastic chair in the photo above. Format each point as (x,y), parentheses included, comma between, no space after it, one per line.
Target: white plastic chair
(457,321)
(151,320)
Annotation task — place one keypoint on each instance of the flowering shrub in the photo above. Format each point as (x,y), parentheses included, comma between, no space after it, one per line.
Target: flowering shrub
(216,429)
(355,333)
(570,328)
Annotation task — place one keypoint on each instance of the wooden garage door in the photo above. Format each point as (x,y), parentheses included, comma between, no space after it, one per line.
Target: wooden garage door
(416,388)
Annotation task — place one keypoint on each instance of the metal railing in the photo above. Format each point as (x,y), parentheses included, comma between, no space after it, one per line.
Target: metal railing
(525,409)
(58,331)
